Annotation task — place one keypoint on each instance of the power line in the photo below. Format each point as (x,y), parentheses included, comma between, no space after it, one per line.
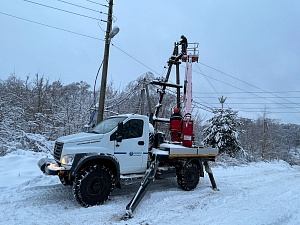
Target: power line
(248,91)
(199,105)
(246,83)
(97,3)
(234,97)
(203,107)
(256,92)
(254,103)
(260,108)
(66,11)
(79,6)
(208,81)
(244,91)
(210,84)
(61,29)
(253,111)
(53,27)
(135,59)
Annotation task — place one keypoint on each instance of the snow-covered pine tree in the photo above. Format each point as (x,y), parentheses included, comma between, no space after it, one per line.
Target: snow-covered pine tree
(222,132)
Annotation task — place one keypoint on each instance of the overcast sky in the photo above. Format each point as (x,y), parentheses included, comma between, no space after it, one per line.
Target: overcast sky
(249,50)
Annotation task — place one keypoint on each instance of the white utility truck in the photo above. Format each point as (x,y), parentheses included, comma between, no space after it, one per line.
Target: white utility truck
(119,147)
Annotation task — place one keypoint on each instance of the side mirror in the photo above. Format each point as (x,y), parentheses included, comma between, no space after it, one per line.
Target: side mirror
(119,134)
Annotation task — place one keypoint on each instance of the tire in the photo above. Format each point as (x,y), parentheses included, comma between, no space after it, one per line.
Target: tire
(65,180)
(179,176)
(189,177)
(93,185)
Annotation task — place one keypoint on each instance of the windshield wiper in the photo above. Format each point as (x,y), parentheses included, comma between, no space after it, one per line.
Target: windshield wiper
(94,132)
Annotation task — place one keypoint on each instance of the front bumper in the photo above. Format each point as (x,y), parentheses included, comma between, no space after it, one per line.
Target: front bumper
(50,166)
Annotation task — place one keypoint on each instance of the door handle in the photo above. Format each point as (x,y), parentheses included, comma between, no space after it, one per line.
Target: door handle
(141,143)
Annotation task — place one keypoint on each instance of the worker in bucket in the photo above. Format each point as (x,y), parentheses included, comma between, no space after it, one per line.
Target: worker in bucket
(176,114)
(184,44)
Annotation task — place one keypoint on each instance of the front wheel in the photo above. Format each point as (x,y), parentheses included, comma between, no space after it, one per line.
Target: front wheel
(65,180)
(188,178)
(93,185)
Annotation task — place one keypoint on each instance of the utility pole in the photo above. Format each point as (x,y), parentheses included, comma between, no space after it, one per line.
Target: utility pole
(143,99)
(105,63)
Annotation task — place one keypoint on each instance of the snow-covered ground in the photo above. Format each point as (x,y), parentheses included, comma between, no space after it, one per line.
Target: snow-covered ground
(258,193)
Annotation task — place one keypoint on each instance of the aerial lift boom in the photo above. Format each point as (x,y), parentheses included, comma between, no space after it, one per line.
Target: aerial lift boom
(183,155)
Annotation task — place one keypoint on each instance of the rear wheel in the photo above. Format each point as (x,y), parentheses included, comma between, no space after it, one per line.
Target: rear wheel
(93,185)
(188,178)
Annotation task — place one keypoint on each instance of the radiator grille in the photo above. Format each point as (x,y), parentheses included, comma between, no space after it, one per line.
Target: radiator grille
(57,150)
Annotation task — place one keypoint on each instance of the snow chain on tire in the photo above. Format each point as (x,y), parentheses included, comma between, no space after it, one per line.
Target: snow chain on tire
(93,185)
(65,180)
(188,178)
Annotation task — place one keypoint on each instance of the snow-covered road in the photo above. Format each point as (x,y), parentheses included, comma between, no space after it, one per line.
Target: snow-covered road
(258,193)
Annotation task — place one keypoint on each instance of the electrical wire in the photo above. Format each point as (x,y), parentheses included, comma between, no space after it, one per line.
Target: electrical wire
(96,82)
(240,97)
(256,92)
(135,59)
(265,91)
(211,84)
(249,92)
(79,6)
(69,3)
(97,3)
(253,103)
(66,11)
(201,106)
(243,91)
(53,27)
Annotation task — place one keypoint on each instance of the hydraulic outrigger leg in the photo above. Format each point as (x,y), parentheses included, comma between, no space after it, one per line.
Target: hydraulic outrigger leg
(211,176)
(147,180)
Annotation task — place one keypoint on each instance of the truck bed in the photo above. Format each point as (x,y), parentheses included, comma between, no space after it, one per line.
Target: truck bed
(176,150)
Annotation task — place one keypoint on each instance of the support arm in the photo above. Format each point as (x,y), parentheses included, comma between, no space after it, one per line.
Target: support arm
(147,180)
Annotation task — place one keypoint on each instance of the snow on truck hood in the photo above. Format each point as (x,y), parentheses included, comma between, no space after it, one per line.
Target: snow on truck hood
(80,137)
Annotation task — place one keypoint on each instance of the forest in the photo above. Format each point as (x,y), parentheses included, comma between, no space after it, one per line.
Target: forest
(35,112)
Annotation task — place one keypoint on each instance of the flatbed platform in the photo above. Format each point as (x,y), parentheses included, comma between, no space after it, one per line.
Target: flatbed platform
(175,151)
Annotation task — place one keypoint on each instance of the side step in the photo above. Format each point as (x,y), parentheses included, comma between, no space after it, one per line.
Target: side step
(147,180)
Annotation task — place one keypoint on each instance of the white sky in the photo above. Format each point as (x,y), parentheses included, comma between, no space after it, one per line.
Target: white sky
(255,43)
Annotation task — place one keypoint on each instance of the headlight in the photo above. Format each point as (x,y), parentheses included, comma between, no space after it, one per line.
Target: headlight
(67,159)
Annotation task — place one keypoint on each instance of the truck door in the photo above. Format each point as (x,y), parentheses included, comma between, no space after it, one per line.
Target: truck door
(130,151)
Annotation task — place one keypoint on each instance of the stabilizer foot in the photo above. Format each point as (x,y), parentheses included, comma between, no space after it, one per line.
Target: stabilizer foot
(211,176)
(128,215)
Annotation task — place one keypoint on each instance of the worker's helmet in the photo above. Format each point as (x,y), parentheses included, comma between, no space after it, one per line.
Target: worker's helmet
(176,110)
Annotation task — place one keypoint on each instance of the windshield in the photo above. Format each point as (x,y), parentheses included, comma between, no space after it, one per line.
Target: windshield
(107,125)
